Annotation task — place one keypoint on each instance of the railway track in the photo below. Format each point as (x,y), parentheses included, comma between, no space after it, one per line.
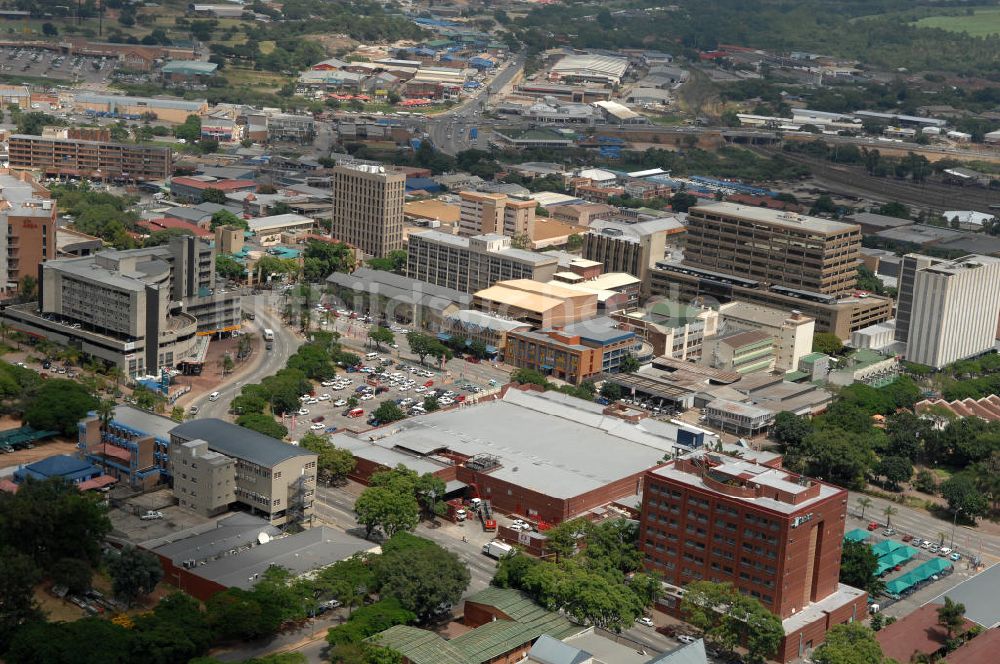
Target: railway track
(932,196)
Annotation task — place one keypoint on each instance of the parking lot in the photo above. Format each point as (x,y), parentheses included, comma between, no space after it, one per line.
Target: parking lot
(381,379)
(43,63)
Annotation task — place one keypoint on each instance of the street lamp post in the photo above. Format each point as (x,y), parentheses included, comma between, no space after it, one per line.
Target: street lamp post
(954,524)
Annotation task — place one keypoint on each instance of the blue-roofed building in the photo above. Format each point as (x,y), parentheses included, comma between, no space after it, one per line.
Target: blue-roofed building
(133,448)
(482,63)
(424,184)
(67,467)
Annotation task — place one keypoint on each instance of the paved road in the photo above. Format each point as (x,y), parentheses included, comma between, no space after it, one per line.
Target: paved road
(449,131)
(286,342)
(968,541)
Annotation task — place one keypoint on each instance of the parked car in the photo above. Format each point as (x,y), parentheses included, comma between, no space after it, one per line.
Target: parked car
(955,556)
(873,526)
(318,418)
(684,638)
(340,403)
(151,515)
(645,620)
(317,426)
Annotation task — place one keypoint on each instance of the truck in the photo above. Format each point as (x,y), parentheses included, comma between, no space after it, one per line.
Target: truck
(497,549)
(268,334)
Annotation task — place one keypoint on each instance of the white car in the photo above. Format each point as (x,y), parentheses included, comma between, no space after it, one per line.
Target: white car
(303,411)
(367,397)
(324,397)
(312,401)
(445,401)
(328,383)
(420,389)
(340,402)
(318,426)
(305,397)
(648,622)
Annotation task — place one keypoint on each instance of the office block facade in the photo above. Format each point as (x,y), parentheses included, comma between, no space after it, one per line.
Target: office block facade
(368,208)
(484,213)
(65,157)
(839,315)
(27,228)
(632,248)
(139,309)
(204,481)
(471,264)
(796,251)
(575,353)
(271,477)
(774,535)
(955,310)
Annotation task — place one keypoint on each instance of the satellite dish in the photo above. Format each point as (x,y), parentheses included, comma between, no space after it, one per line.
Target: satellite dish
(263,538)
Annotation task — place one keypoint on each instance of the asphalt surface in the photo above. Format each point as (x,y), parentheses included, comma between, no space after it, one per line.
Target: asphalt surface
(967,541)
(449,131)
(286,342)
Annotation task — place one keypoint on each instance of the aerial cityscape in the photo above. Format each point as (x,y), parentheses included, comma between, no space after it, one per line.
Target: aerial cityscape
(521,331)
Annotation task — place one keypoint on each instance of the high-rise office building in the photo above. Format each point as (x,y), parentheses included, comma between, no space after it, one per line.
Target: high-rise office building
(484,213)
(27,228)
(97,160)
(368,208)
(778,248)
(908,268)
(953,308)
(631,247)
(774,535)
(472,264)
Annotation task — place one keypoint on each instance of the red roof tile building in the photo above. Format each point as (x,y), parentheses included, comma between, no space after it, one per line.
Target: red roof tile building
(918,632)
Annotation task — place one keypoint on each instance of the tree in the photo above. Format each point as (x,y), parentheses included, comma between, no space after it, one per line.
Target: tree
(381,335)
(574,242)
(725,617)
(857,567)
(895,470)
(827,343)
(564,538)
(889,511)
(386,508)
(951,616)
(423,579)
(334,463)
(849,643)
(74,573)
(629,364)
(134,573)
(227,218)
(682,202)
(790,430)
(18,575)
(431,404)
(264,424)
(227,364)
(387,412)
(529,377)
(27,289)
(611,391)
(84,641)
(370,620)
(213,195)
(190,130)
(59,405)
(864,502)
(49,30)
(895,209)
(963,495)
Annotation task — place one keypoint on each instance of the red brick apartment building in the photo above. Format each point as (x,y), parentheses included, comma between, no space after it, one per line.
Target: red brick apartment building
(90,159)
(774,535)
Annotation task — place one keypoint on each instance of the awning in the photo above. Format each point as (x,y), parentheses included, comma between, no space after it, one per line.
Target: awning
(454,485)
(443,336)
(96,483)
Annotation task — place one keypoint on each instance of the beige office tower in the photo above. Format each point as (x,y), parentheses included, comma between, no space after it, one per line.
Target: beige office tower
(368,208)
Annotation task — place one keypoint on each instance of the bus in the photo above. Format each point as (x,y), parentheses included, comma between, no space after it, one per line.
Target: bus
(268,334)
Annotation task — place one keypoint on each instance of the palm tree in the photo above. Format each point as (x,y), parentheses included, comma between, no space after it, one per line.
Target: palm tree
(864,502)
(889,511)
(105,412)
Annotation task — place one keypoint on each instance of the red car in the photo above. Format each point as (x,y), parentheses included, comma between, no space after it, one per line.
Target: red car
(472,359)
(318,418)
(429,383)
(460,398)
(907,538)
(873,525)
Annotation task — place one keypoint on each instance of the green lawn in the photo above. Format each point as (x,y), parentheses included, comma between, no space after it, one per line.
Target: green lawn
(982,23)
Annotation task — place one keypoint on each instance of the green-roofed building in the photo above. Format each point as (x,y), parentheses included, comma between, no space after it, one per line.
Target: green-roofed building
(504,621)
(185,70)
(856,535)
(885,547)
